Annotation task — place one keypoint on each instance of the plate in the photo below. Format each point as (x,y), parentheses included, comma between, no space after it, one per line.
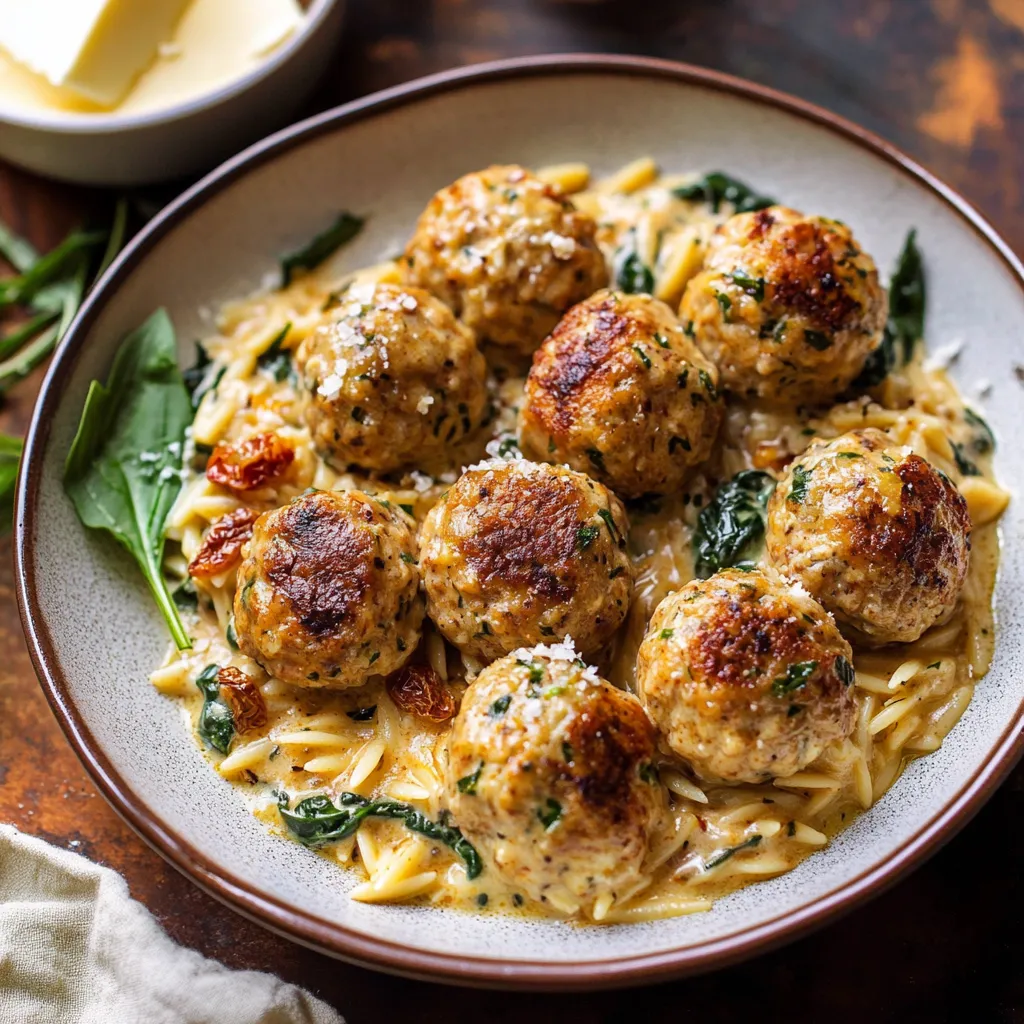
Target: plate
(94,634)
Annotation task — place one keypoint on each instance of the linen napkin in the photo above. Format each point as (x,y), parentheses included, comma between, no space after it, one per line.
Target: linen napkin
(76,948)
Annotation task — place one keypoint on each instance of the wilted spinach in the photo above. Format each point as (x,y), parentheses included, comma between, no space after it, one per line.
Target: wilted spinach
(717,187)
(730,527)
(342,231)
(216,722)
(316,820)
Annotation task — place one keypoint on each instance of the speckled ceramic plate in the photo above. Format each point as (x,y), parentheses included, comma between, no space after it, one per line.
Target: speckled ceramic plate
(94,633)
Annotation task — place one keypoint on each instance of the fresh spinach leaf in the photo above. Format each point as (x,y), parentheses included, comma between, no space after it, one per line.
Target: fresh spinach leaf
(342,231)
(10,458)
(316,820)
(717,187)
(731,525)
(216,722)
(123,472)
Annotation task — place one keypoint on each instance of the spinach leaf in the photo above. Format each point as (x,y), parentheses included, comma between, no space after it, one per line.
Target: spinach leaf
(56,265)
(905,326)
(342,231)
(315,821)
(731,525)
(632,275)
(963,463)
(796,676)
(717,187)
(731,851)
(276,360)
(10,458)
(202,376)
(216,722)
(123,472)
(801,481)
(983,440)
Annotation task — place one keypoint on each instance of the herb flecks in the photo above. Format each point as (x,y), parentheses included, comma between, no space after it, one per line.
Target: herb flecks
(795,678)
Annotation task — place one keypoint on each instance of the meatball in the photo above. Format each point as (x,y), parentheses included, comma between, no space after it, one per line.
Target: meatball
(788,307)
(746,678)
(328,590)
(516,552)
(393,379)
(508,253)
(618,390)
(550,775)
(875,533)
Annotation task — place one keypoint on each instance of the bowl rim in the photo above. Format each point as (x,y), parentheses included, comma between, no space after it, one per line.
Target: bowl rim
(332,938)
(72,123)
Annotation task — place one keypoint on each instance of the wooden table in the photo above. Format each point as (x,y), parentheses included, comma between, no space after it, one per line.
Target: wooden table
(942,79)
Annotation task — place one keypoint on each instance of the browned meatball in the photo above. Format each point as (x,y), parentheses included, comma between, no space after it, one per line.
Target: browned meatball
(507,252)
(328,590)
(875,533)
(550,776)
(393,379)
(746,678)
(516,552)
(619,391)
(787,306)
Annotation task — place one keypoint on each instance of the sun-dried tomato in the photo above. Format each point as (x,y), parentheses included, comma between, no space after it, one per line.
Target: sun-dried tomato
(418,690)
(222,545)
(250,463)
(244,699)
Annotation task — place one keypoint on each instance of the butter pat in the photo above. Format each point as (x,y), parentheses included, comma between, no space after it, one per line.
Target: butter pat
(95,49)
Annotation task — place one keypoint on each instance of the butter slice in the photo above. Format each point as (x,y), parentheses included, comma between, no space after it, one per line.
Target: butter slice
(93,48)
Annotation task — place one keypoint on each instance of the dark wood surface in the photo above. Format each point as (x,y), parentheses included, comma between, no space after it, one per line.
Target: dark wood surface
(943,79)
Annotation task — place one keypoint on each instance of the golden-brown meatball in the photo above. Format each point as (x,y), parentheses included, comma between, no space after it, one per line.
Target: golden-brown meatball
(393,379)
(874,532)
(620,392)
(550,776)
(508,253)
(787,306)
(746,678)
(328,590)
(516,552)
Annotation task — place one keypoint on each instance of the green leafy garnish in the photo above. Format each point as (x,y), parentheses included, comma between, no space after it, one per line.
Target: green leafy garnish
(649,773)
(500,706)
(216,722)
(730,527)
(983,441)
(342,231)
(796,676)
(315,821)
(801,481)
(277,361)
(717,187)
(845,671)
(586,535)
(632,274)
(123,472)
(467,784)
(963,463)
(905,326)
(753,286)
(666,634)
(549,814)
(644,358)
(10,458)
(731,851)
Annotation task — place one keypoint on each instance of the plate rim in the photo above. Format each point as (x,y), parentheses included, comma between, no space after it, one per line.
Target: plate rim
(331,937)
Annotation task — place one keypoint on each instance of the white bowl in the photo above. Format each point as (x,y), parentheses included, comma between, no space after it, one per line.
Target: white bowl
(136,149)
(94,634)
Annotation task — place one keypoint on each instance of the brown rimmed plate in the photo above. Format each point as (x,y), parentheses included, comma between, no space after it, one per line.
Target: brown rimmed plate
(94,635)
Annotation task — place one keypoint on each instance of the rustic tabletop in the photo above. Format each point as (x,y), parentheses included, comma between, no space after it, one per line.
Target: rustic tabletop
(944,80)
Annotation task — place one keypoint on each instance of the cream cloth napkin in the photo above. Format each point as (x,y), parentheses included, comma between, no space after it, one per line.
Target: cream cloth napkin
(76,948)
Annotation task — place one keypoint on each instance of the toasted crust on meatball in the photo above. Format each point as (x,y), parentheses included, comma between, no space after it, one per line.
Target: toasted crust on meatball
(393,379)
(517,552)
(787,306)
(619,391)
(507,252)
(875,533)
(550,776)
(746,678)
(328,590)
